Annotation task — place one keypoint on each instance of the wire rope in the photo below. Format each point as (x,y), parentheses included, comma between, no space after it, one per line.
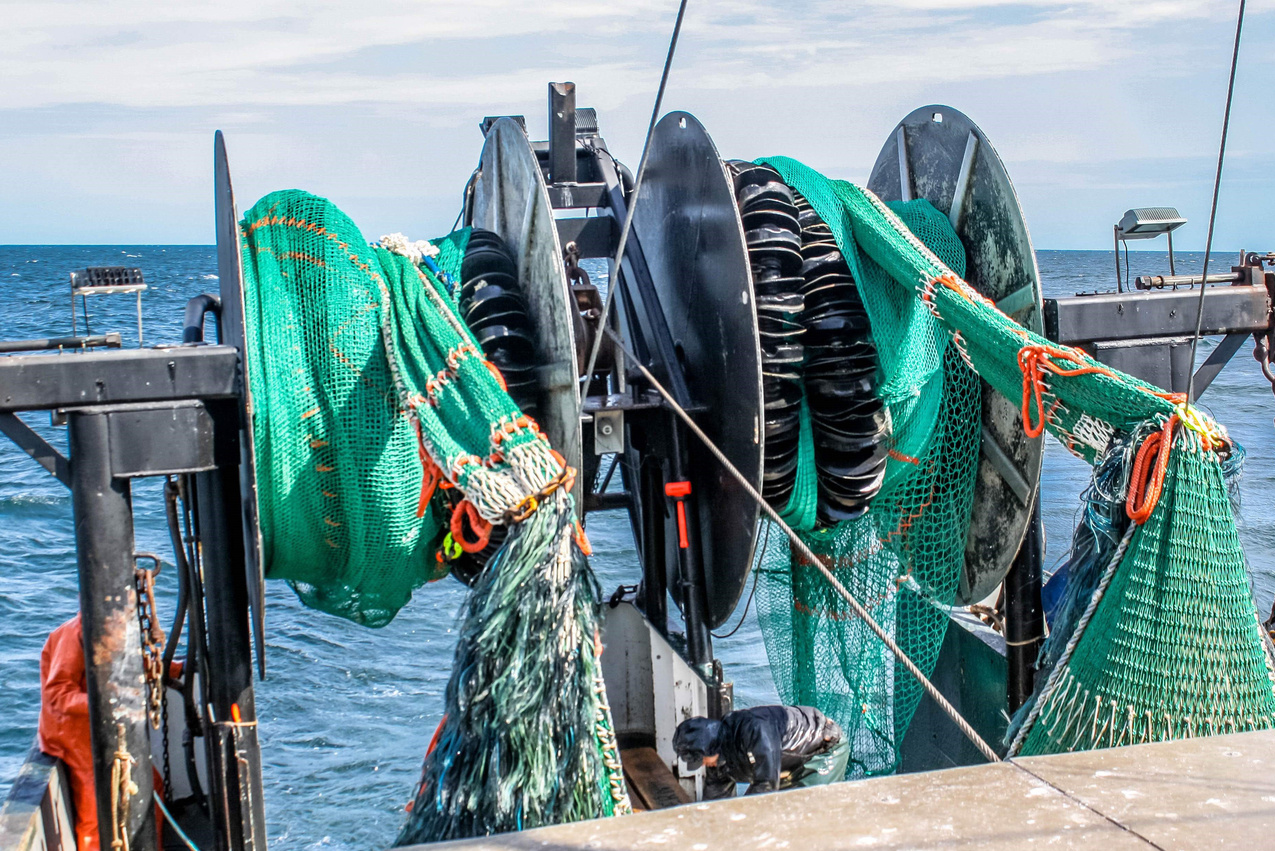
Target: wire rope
(1217,184)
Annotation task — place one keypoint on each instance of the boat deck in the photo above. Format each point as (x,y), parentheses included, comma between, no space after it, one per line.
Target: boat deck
(1197,794)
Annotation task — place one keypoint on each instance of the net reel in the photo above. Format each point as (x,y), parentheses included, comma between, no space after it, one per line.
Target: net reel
(939,154)
(735,296)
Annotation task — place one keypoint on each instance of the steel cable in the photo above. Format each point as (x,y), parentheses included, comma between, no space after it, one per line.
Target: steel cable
(951,711)
(628,214)
(1217,184)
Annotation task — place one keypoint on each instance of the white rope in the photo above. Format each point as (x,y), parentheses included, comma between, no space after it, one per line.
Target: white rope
(1055,675)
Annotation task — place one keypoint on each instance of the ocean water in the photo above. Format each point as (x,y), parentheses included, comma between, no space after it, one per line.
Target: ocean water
(346,712)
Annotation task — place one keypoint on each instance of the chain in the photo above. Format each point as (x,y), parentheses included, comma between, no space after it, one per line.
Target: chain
(152,635)
(122,789)
(571,260)
(168,769)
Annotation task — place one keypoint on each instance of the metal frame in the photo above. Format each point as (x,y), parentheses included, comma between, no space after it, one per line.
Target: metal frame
(939,154)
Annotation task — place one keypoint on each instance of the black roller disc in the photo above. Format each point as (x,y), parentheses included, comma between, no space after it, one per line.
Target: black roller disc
(490,300)
(485,260)
(780,469)
(774,261)
(814,265)
(778,286)
(518,346)
(771,218)
(755,193)
(854,326)
(510,319)
(744,173)
(785,303)
(784,354)
(473,286)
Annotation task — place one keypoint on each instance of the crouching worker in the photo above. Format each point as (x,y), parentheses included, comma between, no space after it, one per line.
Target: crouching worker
(767,747)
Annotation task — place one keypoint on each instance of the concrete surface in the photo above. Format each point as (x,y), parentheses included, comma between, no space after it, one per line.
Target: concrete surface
(1202,793)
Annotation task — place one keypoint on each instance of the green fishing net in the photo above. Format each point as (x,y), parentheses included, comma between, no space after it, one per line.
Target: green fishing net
(1174,645)
(369,391)
(338,461)
(903,559)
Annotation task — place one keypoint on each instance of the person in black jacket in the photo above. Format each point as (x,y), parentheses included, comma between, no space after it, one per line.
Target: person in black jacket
(767,747)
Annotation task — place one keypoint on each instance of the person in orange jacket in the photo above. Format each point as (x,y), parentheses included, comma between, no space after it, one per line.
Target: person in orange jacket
(64,725)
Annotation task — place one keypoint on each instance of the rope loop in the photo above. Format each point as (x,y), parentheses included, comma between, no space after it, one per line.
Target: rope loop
(1212,435)
(1145,490)
(466,513)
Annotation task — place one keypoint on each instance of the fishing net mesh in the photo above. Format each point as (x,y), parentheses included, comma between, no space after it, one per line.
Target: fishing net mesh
(338,463)
(1182,586)
(369,391)
(902,559)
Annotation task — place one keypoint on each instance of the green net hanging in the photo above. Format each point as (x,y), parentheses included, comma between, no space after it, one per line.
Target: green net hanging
(1139,671)
(370,393)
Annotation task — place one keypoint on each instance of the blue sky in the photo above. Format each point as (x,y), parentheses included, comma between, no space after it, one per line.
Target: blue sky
(108,108)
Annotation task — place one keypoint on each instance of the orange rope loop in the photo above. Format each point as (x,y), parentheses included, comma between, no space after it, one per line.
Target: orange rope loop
(466,513)
(495,370)
(431,473)
(1034,359)
(1145,490)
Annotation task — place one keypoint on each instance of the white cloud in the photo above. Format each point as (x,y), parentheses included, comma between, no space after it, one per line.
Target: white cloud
(118,99)
(278,53)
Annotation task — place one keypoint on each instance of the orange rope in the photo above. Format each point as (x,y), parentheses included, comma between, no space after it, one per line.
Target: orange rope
(465,512)
(431,473)
(1034,359)
(1144,491)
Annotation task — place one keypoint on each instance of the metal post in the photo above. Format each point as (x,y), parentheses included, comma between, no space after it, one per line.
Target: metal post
(562,132)
(699,639)
(1115,231)
(112,637)
(654,564)
(1024,613)
(239,813)
(1172,269)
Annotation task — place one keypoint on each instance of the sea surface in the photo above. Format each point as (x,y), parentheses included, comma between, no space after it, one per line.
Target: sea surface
(346,712)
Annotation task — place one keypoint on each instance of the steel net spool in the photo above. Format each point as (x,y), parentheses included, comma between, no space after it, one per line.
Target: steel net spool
(510,199)
(939,154)
(693,240)
(231,332)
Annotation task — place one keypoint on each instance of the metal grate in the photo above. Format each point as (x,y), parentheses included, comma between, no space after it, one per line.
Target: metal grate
(95,277)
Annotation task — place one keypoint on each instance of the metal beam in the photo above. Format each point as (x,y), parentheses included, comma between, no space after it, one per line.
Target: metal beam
(963,181)
(112,639)
(37,447)
(110,341)
(905,170)
(575,196)
(562,132)
(1217,359)
(1024,613)
(594,236)
(42,382)
(239,816)
(1120,316)
(160,439)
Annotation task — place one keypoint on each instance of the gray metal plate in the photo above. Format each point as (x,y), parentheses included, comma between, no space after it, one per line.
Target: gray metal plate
(510,199)
(231,326)
(691,234)
(947,160)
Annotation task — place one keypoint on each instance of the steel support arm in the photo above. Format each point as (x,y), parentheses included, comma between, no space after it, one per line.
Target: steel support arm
(1128,315)
(42,382)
